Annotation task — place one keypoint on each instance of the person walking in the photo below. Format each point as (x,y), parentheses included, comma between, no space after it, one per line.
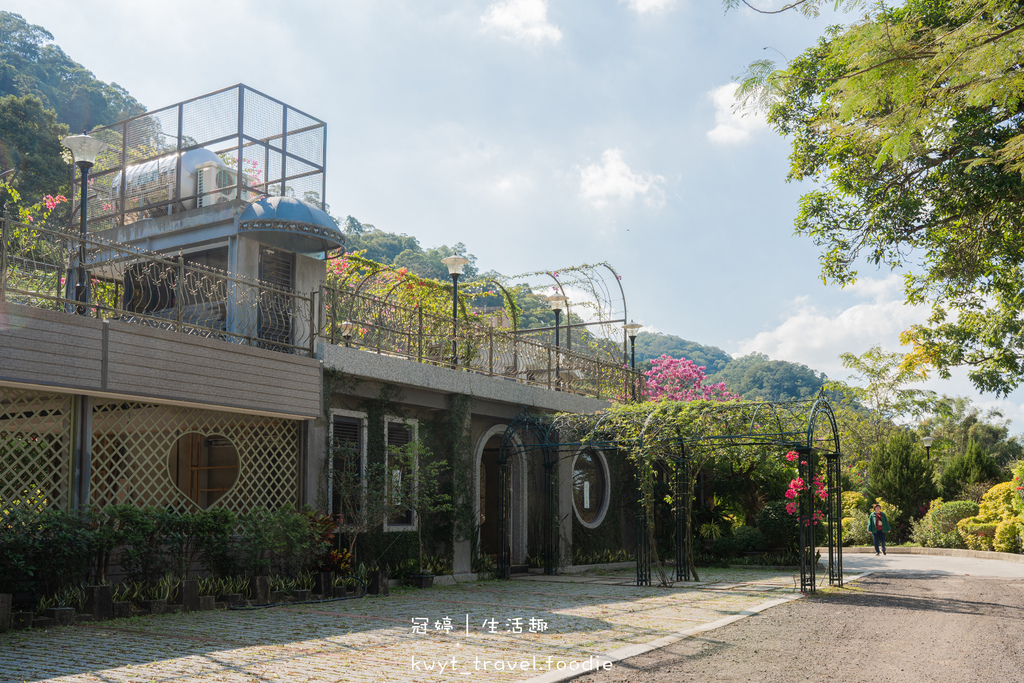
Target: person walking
(878,525)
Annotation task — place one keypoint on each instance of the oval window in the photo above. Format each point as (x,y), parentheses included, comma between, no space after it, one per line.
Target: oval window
(204,467)
(590,488)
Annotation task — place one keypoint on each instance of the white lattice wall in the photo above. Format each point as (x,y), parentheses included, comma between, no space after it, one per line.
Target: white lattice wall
(132,443)
(35,449)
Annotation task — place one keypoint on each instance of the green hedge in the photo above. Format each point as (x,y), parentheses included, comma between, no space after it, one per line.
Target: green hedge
(52,551)
(938,528)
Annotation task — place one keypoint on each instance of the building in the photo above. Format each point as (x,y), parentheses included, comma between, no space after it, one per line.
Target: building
(215,365)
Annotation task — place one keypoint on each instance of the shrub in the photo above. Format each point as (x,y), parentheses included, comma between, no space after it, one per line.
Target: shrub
(749,539)
(1018,487)
(137,532)
(938,529)
(854,504)
(1007,538)
(855,530)
(977,535)
(973,466)
(901,473)
(997,503)
(48,551)
(778,527)
(290,542)
(725,546)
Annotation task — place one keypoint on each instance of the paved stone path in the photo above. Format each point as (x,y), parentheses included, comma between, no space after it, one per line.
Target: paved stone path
(516,630)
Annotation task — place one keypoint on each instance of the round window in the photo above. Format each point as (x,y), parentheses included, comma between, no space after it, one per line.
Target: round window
(590,487)
(203,467)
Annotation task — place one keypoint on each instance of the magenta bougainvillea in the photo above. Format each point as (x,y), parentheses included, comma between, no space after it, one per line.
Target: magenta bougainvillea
(679,379)
(798,486)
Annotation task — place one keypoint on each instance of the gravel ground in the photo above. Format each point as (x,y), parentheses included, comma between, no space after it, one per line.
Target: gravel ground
(884,627)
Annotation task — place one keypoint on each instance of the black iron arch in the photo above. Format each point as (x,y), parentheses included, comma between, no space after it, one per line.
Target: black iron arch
(807,427)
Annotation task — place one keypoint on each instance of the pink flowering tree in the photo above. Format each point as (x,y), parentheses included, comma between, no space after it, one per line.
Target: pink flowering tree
(679,379)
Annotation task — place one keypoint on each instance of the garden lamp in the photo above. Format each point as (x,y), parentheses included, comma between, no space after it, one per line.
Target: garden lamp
(347,329)
(557,303)
(455,265)
(84,149)
(928,441)
(632,328)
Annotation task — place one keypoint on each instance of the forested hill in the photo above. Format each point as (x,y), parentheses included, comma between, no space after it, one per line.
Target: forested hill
(754,377)
(654,345)
(44,95)
(31,64)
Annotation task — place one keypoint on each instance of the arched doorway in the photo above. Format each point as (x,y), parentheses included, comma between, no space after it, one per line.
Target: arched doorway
(486,496)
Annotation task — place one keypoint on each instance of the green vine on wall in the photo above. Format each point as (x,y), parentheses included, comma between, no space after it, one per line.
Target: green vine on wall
(458,439)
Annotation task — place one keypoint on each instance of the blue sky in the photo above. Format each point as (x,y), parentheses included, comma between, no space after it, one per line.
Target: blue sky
(541,133)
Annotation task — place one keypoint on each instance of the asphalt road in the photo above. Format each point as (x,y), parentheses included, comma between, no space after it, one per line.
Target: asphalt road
(915,618)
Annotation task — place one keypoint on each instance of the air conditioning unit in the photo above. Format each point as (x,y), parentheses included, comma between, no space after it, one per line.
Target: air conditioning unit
(215,184)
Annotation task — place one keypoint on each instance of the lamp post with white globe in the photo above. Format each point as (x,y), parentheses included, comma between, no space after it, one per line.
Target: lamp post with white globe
(455,265)
(84,148)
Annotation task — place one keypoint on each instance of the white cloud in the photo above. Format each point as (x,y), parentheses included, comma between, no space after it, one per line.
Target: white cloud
(816,338)
(613,181)
(649,6)
(735,123)
(525,20)
(511,185)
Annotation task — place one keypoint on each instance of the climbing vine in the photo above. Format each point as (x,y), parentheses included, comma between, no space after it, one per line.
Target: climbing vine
(657,432)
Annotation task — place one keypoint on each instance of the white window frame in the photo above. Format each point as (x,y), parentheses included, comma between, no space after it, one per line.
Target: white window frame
(363,422)
(606,498)
(415,424)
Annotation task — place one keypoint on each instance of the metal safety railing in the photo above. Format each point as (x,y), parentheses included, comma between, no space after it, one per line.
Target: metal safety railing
(388,328)
(39,268)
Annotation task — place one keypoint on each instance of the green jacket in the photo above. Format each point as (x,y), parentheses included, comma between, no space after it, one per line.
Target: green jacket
(872,523)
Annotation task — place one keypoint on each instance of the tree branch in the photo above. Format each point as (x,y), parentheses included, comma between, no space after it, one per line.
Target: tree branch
(777,11)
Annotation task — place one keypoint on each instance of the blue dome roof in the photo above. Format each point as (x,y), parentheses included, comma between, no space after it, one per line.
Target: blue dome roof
(290,224)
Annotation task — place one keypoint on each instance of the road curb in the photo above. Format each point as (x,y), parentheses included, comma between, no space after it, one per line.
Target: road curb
(938,552)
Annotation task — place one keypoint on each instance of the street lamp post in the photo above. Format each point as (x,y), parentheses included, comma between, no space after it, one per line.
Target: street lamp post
(455,265)
(632,328)
(928,441)
(557,302)
(347,328)
(84,148)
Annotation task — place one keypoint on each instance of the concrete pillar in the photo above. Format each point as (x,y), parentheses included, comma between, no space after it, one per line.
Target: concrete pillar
(262,590)
(5,612)
(83,450)
(190,595)
(314,473)
(99,602)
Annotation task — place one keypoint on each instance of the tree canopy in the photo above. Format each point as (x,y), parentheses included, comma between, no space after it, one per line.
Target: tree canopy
(30,64)
(403,251)
(30,144)
(651,345)
(900,475)
(756,377)
(910,123)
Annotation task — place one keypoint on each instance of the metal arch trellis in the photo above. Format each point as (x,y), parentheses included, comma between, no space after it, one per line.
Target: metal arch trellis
(601,300)
(807,427)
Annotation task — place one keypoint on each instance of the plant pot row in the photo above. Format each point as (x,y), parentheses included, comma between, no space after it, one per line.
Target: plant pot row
(100,604)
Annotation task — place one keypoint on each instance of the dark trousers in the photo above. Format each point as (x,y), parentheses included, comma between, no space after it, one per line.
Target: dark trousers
(879,538)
